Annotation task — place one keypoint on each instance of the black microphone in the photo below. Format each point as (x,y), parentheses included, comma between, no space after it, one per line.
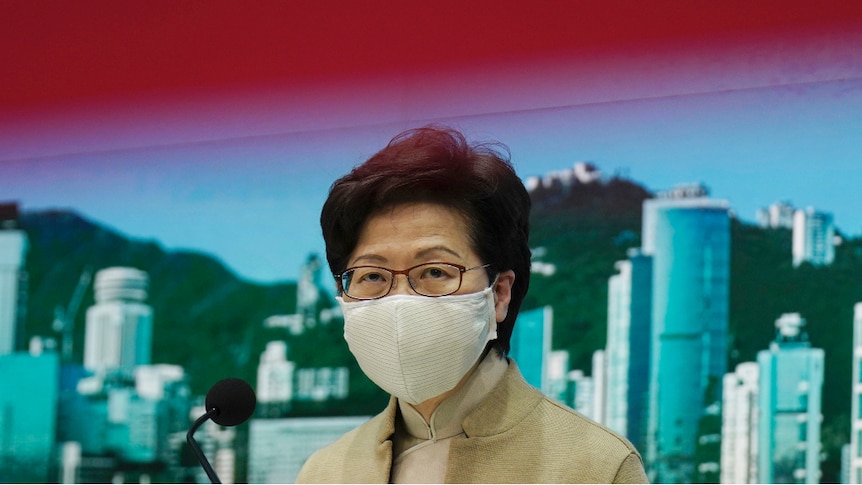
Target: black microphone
(229,402)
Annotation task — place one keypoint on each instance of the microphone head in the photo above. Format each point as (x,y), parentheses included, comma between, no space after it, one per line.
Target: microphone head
(233,399)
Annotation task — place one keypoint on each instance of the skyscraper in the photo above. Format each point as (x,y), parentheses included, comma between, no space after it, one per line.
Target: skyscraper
(791,383)
(28,417)
(13,251)
(813,237)
(600,385)
(308,291)
(120,325)
(274,380)
(688,237)
(855,458)
(557,381)
(628,347)
(583,393)
(531,344)
(739,424)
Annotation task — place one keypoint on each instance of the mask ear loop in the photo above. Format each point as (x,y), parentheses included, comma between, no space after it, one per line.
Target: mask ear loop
(492,318)
(493,290)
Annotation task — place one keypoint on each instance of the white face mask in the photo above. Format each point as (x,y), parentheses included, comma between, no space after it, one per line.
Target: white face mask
(416,347)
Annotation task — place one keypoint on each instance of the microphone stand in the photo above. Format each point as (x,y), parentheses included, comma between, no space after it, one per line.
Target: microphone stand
(197,449)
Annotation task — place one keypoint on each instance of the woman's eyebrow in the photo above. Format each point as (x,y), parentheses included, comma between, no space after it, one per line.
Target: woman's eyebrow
(436,249)
(369,258)
(373,258)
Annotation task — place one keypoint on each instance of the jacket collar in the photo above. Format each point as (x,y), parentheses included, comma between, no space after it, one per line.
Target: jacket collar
(512,393)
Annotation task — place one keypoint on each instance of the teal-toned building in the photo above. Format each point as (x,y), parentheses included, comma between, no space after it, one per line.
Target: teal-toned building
(790,402)
(531,344)
(130,425)
(627,352)
(28,417)
(687,235)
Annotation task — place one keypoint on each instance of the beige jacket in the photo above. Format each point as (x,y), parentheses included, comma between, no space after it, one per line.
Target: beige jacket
(516,435)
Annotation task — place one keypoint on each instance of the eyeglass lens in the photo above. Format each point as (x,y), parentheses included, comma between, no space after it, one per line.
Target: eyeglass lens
(431,279)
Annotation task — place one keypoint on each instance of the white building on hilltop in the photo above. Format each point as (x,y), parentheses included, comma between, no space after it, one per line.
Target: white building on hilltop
(581,173)
(778,214)
(813,237)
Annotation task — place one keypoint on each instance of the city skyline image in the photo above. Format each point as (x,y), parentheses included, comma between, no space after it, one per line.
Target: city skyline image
(696,239)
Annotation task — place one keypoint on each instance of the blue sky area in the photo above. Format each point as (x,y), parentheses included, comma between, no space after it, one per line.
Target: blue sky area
(242,176)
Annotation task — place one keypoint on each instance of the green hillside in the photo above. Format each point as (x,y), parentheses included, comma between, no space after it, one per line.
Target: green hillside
(582,232)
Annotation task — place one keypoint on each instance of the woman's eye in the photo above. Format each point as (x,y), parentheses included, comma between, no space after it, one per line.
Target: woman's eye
(435,273)
(372,278)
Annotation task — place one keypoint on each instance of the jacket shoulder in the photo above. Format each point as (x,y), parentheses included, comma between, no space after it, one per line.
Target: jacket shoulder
(583,426)
(552,442)
(600,453)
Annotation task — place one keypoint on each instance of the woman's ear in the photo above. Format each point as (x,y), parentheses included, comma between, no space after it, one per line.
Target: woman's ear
(503,293)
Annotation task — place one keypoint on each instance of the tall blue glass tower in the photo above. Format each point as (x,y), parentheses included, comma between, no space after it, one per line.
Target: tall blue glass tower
(688,238)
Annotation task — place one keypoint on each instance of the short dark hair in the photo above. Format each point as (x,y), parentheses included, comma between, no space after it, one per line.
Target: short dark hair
(434,164)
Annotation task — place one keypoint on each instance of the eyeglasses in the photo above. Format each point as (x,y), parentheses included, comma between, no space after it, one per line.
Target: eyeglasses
(427,279)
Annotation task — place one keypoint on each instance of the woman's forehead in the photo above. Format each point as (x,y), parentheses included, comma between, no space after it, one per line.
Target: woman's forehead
(413,231)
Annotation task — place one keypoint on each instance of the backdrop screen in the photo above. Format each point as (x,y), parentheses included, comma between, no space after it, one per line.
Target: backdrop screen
(162,171)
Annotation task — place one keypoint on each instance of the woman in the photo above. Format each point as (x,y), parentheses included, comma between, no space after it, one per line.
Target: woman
(428,242)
